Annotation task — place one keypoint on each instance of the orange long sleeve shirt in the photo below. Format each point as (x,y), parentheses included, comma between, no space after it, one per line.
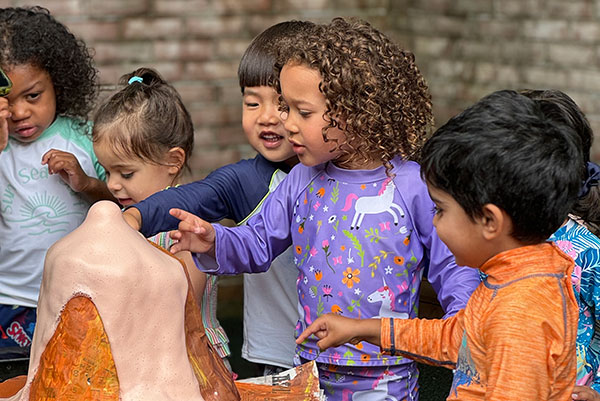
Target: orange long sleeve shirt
(515,340)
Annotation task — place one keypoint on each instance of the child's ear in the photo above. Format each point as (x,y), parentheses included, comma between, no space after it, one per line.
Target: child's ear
(175,159)
(494,221)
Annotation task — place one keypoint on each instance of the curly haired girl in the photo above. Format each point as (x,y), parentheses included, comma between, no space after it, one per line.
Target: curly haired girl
(372,89)
(47,146)
(356,211)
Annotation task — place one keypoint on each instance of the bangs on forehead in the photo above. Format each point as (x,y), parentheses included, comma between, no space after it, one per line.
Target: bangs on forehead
(257,73)
(118,138)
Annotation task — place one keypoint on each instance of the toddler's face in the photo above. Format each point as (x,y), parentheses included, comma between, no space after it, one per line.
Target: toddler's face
(305,118)
(261,121)
(131,180)
(32,102)
(461,234)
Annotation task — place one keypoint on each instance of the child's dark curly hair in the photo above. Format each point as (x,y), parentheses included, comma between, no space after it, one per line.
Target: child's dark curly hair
(373,89)
(32,36)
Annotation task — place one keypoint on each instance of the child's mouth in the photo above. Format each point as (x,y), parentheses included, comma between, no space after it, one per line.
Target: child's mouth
(25,132)
(271,139)
(297,148)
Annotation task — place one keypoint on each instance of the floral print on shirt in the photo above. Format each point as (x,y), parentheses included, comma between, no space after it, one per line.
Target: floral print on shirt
(583,247)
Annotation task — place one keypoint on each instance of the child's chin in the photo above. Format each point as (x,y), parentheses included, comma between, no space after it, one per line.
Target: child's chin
(24,139)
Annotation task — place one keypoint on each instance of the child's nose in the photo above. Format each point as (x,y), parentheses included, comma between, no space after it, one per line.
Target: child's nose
(269,115)
(19,111)
(289,125)
(113,184)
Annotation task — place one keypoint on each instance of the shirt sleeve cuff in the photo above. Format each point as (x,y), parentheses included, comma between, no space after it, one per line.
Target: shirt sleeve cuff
(205,263)
(388,338)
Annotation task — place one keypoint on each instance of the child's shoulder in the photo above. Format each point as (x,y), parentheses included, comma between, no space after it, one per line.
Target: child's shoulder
(574,238)
(70,129)
(407,170)
(66,134)
(407,178)
(522,296)
(247,170)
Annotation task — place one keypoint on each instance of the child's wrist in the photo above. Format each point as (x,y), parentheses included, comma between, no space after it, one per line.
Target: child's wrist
(370,331)
(87,185)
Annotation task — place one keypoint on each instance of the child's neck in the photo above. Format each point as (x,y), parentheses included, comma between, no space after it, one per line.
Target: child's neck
(291,162)
(507,243)
(358,165)
(176,181)
(503,244)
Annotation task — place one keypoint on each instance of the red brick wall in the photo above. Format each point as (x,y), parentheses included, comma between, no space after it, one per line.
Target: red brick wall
(465,48)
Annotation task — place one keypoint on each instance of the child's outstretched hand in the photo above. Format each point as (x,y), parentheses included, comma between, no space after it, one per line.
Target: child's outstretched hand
(334,330)
(193,234)
(4,116)
(585,393)
(67,166)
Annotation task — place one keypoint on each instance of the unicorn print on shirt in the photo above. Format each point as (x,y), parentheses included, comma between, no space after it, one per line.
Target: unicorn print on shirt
(386,296)
(382,202)
(379,389)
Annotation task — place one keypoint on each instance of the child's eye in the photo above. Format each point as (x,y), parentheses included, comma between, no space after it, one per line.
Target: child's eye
(437,210)
(33,96)
(126,175)
(251,104)
(304,113)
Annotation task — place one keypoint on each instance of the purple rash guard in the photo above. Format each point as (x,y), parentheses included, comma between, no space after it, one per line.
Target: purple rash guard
(361,241)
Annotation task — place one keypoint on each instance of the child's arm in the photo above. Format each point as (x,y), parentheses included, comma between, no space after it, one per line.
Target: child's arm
(250,248)
(431,341)
(231,192)
(133,217)
(335,330)
(197,277)
(67,166)
(151,215)
(4,115)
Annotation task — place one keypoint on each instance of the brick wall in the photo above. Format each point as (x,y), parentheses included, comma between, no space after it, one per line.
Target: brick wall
(465,49)
(468,48)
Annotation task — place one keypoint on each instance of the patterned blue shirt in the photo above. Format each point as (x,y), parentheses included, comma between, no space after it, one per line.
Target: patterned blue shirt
(584,247)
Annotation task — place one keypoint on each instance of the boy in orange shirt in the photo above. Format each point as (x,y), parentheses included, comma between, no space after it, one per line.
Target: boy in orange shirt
(503,178)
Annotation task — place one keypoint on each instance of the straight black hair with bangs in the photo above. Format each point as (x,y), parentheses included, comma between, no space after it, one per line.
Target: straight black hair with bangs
(257,64)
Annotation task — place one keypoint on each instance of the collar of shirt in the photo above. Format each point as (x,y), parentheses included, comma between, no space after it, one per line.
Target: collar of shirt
(514,264)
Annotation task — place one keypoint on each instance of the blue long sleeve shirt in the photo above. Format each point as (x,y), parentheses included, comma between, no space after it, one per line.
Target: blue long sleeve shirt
(230,192)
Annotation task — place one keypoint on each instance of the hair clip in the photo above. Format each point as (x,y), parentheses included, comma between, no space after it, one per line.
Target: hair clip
(135,78)
(593,178)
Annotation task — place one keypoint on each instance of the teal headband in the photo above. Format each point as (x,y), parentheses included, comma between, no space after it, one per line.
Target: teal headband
(135,78)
